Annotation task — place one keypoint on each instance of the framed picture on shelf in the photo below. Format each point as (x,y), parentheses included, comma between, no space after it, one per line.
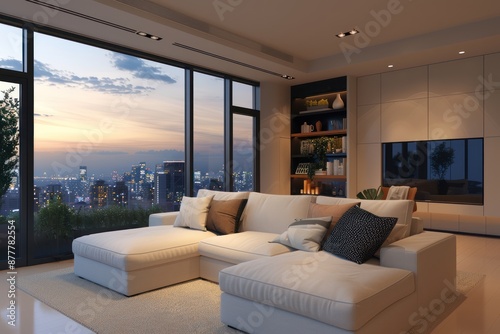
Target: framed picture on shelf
(306,147)
(302,168)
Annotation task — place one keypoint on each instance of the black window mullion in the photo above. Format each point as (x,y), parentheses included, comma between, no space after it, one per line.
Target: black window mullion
(228,135)
(189,136)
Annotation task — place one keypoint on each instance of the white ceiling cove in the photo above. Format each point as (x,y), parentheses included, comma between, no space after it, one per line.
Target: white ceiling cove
(260,39)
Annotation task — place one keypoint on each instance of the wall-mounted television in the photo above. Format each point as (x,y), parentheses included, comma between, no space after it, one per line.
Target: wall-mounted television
(444,171)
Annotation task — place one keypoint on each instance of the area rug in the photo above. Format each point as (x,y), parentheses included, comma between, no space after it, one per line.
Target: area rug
(190,307)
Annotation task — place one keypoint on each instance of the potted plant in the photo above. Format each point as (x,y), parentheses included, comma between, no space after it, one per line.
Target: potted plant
(371,193)
(322,146)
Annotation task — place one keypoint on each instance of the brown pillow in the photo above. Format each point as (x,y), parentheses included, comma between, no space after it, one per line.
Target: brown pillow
(224,216)
(335,211)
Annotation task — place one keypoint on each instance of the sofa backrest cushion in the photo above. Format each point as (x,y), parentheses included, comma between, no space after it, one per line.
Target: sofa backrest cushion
(273,213)
(401,209)
(223,195)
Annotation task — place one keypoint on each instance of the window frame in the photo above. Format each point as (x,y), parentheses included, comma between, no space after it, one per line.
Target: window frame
(26,156)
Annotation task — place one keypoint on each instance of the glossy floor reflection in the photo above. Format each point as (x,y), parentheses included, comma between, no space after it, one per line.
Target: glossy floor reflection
(479,313)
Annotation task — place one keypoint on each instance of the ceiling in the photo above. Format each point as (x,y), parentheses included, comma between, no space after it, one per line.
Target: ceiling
(262,39)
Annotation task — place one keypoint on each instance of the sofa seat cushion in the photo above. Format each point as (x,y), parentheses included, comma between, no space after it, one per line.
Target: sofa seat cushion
(240,247)
(139,248)
(320,286)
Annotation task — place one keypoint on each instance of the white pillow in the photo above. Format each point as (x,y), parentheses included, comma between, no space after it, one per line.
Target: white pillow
(305,234)
(193,212)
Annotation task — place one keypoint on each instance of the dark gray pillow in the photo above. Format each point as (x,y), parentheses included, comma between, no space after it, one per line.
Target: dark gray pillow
(358,235)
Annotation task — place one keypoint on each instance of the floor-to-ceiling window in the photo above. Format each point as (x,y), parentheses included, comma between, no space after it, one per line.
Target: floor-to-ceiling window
(108,128)
(12,82)
(208,132)
(245,125)
(10,228)
(107,137)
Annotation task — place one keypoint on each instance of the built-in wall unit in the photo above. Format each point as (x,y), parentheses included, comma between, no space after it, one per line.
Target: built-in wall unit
(321,138)
(436,127)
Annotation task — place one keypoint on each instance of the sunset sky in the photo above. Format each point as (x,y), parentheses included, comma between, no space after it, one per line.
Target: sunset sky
(97,107)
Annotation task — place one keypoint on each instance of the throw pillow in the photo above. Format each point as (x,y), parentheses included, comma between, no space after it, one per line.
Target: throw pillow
(224,216)
(358,235)
(305,234)
(193,212)
(335,211)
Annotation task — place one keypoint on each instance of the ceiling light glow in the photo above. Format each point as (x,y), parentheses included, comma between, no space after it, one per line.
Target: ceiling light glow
(347,33)
(145,34)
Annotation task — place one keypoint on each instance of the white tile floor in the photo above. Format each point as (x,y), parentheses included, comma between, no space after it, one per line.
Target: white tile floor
(479,313)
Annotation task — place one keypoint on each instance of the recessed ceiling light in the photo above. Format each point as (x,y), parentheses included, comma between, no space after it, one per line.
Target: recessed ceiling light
(145,34)
(347,33)
(286,76)
(461,52)
(390,66)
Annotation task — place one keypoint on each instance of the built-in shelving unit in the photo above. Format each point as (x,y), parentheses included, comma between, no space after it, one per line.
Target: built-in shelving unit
(332,181)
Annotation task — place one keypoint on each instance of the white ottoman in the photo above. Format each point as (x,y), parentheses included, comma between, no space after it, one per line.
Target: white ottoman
(138,260)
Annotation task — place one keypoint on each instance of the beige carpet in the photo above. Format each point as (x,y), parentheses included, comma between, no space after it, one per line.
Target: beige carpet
(191,307)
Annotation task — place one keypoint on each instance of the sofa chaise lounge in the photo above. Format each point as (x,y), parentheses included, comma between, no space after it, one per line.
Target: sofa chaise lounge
(270,287)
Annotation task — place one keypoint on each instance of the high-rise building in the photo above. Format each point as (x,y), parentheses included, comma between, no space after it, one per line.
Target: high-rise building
(99,194)
(53,192)
(119,194)
(169,185)
(83,174)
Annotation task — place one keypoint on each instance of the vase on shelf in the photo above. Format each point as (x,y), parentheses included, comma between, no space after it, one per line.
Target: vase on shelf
(318,126)
(338,103)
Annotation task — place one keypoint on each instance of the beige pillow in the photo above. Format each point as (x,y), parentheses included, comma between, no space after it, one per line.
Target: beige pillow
(224,216)
(305,234)
(193,212)
(335,211)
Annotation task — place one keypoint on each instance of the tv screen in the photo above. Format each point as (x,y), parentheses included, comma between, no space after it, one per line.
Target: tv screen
(444,171)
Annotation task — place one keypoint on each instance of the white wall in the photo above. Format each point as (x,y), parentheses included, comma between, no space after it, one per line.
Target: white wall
(455,99)
(275,138)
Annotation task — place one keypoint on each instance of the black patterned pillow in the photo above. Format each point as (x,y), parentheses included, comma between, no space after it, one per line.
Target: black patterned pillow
(358,235)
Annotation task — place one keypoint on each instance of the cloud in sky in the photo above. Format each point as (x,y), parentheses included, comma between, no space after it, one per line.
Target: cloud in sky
(139,68)
(45,73)
(135,66)
(11,64)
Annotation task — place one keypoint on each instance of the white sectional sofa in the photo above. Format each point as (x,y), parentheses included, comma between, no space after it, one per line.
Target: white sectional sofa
(268,287)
